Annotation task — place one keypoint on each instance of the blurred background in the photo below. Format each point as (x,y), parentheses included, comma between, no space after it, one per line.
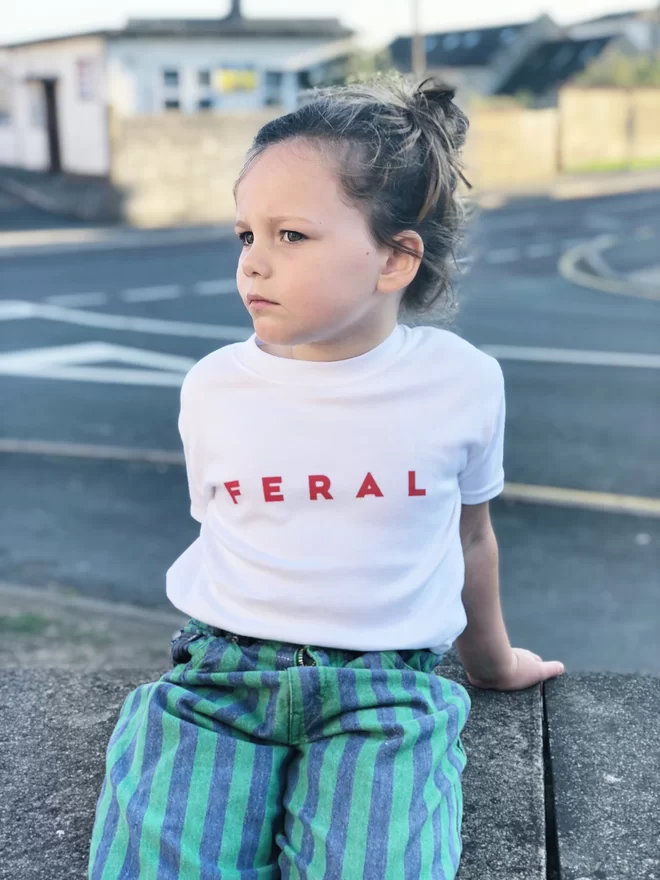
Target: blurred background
(122,129)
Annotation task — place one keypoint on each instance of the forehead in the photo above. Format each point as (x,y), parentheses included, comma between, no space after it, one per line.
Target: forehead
(290,177)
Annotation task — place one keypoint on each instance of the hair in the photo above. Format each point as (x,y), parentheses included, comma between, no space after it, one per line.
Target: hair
(396,145)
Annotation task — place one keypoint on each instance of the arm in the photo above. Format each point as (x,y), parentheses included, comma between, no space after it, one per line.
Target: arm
(483,646)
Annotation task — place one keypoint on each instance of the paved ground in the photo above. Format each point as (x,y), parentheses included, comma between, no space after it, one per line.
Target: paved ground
(577,584)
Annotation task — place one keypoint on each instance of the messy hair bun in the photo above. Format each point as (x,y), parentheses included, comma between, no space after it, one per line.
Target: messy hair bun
(397,143)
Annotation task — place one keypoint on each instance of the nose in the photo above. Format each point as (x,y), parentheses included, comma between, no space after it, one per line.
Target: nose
(254,261)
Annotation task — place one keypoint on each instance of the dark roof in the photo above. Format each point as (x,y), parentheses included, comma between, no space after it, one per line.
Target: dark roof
(327,28)
(236,27)
(469,48)
(552,64)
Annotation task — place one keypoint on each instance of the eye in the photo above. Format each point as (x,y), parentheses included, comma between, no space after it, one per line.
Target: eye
(291,232)
(302,237)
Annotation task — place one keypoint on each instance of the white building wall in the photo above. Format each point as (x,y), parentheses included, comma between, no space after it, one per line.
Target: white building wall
(135,70)
(83,133)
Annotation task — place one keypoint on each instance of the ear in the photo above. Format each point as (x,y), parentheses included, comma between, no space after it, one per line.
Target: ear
(400,268)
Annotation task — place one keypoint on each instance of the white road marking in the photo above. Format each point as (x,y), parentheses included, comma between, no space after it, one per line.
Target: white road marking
(569,268)
(13,309)
(213,288)
(503,255)
(573,356)
(77,299)
(148,294)
(74,363)
(540,249)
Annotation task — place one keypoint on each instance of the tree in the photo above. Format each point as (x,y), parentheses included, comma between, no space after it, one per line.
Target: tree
(622,70)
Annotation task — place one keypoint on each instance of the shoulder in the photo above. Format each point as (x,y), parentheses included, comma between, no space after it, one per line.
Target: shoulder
(472,365)
(209,372)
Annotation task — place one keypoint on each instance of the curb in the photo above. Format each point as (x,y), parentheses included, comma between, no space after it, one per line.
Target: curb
(59,241)
(42,628)
(43,597)
(566,188)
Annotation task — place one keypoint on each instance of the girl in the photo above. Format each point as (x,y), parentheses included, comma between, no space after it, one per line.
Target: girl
(340,464)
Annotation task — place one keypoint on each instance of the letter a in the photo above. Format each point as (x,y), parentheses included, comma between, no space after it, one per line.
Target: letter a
(369,487)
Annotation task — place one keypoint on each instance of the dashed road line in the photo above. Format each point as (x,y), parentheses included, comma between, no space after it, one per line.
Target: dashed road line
(542,249)
(77,299)
(149,294)
(216,287)
(503,255)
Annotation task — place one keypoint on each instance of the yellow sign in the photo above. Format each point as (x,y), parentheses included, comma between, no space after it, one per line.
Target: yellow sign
(228,79)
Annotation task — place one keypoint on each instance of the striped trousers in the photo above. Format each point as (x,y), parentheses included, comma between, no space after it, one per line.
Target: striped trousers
(255,760)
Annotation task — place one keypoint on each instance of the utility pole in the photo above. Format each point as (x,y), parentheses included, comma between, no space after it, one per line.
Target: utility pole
(418,46)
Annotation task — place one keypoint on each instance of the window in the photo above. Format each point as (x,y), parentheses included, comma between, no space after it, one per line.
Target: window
(172,104)
(472,39)
(562,57)
(451,41)
(205,104)
(273,87)
(430,43)
(86,78)
(507,35)
(204,78)
(171,77)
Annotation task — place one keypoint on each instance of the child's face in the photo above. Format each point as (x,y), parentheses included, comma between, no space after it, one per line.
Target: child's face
(306,250)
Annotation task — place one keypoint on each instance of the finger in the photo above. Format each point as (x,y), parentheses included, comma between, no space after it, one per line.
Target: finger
(553,668)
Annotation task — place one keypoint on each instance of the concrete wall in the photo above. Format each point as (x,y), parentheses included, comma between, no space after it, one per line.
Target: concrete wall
(82,120)
(601,126)
(177,169)
(511,146)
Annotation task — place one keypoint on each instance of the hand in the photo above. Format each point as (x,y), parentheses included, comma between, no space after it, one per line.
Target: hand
(526,669)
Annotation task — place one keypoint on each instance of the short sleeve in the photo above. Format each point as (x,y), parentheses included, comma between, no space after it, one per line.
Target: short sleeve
(192,449)
(482,478)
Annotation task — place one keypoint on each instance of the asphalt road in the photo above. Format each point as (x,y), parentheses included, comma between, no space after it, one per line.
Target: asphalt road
(577,585)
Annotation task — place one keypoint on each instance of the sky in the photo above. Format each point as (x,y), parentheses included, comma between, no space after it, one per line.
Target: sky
(376,21)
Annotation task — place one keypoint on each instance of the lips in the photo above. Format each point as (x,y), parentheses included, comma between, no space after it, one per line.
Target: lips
(252,298)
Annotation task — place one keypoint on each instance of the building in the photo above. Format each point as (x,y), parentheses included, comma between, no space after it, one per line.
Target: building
(480,60)
(56,94)
(640,27)
(543,71)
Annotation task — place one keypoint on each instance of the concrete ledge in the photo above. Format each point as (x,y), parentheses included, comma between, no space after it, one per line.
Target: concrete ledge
(562,781)
(55,728)
(604,748)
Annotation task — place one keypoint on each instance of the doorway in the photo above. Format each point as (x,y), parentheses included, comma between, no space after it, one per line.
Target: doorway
(52,126)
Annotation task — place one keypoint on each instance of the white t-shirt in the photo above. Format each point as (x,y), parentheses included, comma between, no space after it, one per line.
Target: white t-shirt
(329,493)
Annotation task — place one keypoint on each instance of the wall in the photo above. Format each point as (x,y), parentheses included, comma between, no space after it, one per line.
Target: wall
(511,146)
(177,169)
(82,121)
(590,129)
(608,126)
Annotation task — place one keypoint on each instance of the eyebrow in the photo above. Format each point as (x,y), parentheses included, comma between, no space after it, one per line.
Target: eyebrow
(279,219)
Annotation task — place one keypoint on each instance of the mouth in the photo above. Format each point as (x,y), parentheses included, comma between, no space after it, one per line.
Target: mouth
(259,300)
